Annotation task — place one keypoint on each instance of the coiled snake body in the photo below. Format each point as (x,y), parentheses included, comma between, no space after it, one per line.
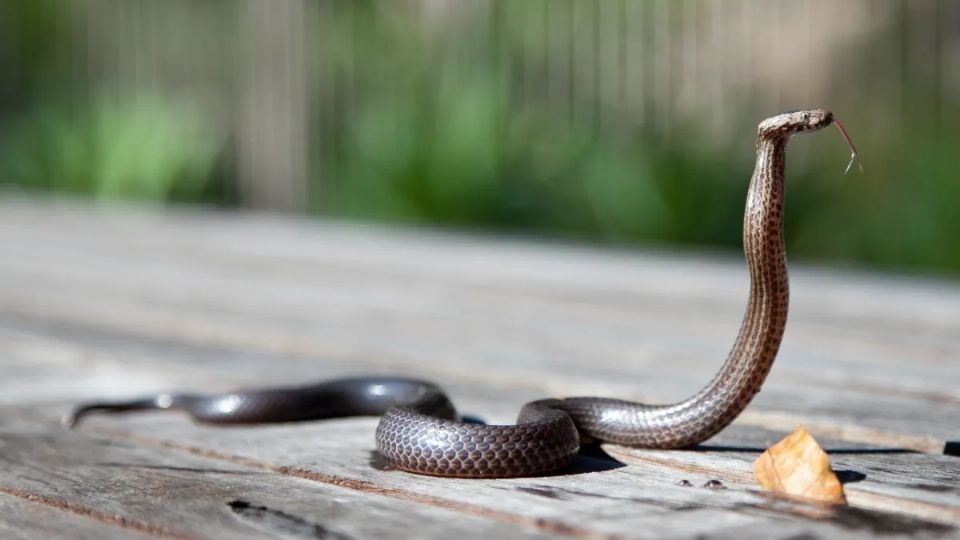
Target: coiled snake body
(419,431)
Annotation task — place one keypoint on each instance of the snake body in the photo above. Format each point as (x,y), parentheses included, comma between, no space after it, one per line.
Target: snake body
(419,430)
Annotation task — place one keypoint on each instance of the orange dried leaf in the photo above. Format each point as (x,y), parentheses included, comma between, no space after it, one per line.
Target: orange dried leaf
(798,466)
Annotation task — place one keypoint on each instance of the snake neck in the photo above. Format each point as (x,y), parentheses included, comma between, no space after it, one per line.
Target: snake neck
(761,331)
(711,409)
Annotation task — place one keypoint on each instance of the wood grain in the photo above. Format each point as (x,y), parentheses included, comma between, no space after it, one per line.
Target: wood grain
(137,488)
(97,304)
(26,517)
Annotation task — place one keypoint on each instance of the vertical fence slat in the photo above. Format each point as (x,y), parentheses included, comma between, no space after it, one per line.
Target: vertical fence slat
(272,146)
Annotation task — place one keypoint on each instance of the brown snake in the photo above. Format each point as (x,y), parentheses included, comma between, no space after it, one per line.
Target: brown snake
(419,431)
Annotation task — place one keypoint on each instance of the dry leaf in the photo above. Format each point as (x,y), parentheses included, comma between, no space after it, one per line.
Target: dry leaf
(798,466)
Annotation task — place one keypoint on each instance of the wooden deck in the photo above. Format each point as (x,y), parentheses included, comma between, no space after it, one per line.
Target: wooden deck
(120,304)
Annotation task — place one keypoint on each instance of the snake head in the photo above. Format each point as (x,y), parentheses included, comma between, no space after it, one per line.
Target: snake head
(788,123)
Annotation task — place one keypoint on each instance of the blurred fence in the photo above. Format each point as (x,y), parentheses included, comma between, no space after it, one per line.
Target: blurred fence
(304,100)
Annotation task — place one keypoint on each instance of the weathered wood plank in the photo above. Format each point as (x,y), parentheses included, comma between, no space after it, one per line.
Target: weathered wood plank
(51,347)
(255,240)
(326,461)
(646,328)
(122,304)
(565,273)
(350,437)
(595,492)
(808,387)
(23,516)
(152,491)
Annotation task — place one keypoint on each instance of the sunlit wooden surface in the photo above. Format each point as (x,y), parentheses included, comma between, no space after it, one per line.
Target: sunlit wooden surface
(96,304)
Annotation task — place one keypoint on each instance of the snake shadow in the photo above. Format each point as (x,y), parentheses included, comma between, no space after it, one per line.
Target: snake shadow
(591,459)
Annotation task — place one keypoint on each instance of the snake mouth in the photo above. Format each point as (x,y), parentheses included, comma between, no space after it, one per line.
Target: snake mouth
(818,119)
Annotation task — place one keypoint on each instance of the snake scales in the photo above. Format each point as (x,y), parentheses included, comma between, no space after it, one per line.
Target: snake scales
(419,430)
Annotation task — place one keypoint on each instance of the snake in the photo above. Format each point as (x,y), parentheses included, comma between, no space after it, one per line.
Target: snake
(419,430)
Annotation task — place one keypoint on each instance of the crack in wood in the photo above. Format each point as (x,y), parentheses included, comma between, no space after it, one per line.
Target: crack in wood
(196,470)
(557,493)
(278,521)
(104,517)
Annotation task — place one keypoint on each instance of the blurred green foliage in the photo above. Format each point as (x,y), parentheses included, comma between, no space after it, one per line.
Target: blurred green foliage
(88,141)
(434,141)
(438,137)
(436,129)
(146,149)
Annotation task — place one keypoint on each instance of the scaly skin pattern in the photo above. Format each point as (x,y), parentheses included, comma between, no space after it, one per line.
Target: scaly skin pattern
(418,433)
(424,444)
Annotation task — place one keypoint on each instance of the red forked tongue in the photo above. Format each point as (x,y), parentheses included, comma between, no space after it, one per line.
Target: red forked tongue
(853,149)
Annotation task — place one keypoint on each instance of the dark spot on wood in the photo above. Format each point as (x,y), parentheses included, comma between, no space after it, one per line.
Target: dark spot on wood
(684,483)
(847,476)
(714,484)
(380,463)
(542,492)
(279,522)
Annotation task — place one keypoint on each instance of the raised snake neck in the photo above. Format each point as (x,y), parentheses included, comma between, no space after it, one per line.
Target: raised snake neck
(418,431)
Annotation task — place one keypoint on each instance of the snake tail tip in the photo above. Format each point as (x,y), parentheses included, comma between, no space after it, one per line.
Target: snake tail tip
(73,418)
(70,420)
